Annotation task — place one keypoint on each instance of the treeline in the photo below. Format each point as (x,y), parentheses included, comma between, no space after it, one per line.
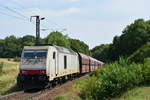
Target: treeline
(12,46)
(133,38)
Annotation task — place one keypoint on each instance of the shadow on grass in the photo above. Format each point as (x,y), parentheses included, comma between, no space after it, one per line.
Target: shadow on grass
(15,88)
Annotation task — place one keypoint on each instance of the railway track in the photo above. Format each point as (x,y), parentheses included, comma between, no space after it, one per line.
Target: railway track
(45,94)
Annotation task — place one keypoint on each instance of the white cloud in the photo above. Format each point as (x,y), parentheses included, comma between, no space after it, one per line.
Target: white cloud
(47,12)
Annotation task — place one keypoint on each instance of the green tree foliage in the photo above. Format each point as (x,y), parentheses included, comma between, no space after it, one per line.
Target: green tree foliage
(134,36)
(79,46)
(28,40)
(11,47)
(2,44)
(141,54)
(101,52)
(57,38)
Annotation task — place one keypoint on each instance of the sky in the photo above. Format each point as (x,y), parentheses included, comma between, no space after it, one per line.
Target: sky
(93,21)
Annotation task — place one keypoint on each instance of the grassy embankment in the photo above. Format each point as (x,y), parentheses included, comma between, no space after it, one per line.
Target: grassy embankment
(8,74)
(73,92)
(138,93)
(120,80)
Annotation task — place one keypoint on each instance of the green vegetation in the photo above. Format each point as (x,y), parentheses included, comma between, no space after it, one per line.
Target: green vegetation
(8,78)
(141,54)
(73,93)
(140,93)
(17,59)
(79,46)
(11,47)
(115,79)
(1,67)
(60,98)
(134,36)
(101,52)
(121,80)
(57,38)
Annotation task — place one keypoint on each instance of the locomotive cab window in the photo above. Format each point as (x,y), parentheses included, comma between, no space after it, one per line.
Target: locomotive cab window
(35,54)
(54,55)
(65,62)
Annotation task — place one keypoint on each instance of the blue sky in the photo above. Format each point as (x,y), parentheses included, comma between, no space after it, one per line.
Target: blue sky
(93,21)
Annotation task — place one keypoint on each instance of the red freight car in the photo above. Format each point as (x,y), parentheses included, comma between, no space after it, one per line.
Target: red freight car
(92,63)
(84,63)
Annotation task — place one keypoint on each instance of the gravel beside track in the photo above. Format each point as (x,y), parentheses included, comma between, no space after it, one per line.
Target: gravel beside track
(46,94)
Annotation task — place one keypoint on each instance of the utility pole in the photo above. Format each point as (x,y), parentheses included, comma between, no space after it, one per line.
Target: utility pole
(38,19)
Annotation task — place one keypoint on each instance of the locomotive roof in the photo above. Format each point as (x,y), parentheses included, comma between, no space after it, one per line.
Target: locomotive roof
(35,47)
(60,49)
(64,50)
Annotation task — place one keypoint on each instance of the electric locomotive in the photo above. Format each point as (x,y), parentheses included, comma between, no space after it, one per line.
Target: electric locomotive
(43,64)
(46,65)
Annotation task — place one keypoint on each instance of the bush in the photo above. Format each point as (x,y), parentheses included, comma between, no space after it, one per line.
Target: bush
(17,59)
(91,87)
(1,67)
(9,59)
(116,78)
(146,71)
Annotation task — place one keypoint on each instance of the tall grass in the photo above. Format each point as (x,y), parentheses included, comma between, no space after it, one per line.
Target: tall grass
(116,78)
(138,93)
(8,78)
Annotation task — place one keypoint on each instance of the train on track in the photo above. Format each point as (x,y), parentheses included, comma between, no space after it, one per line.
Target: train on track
(48,65)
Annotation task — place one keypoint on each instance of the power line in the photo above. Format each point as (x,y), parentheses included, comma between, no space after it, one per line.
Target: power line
(16,3)
(23,7)
(23,17)
(18,13)
(12,16)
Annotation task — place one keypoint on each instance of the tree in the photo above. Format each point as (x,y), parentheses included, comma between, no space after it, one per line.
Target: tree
(57,38)
(2,44)
(79,46)
(101,52)
(141,54)
(12,47)
(28,40)
(134,36)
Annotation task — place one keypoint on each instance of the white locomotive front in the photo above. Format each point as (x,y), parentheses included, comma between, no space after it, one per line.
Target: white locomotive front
(41,65)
